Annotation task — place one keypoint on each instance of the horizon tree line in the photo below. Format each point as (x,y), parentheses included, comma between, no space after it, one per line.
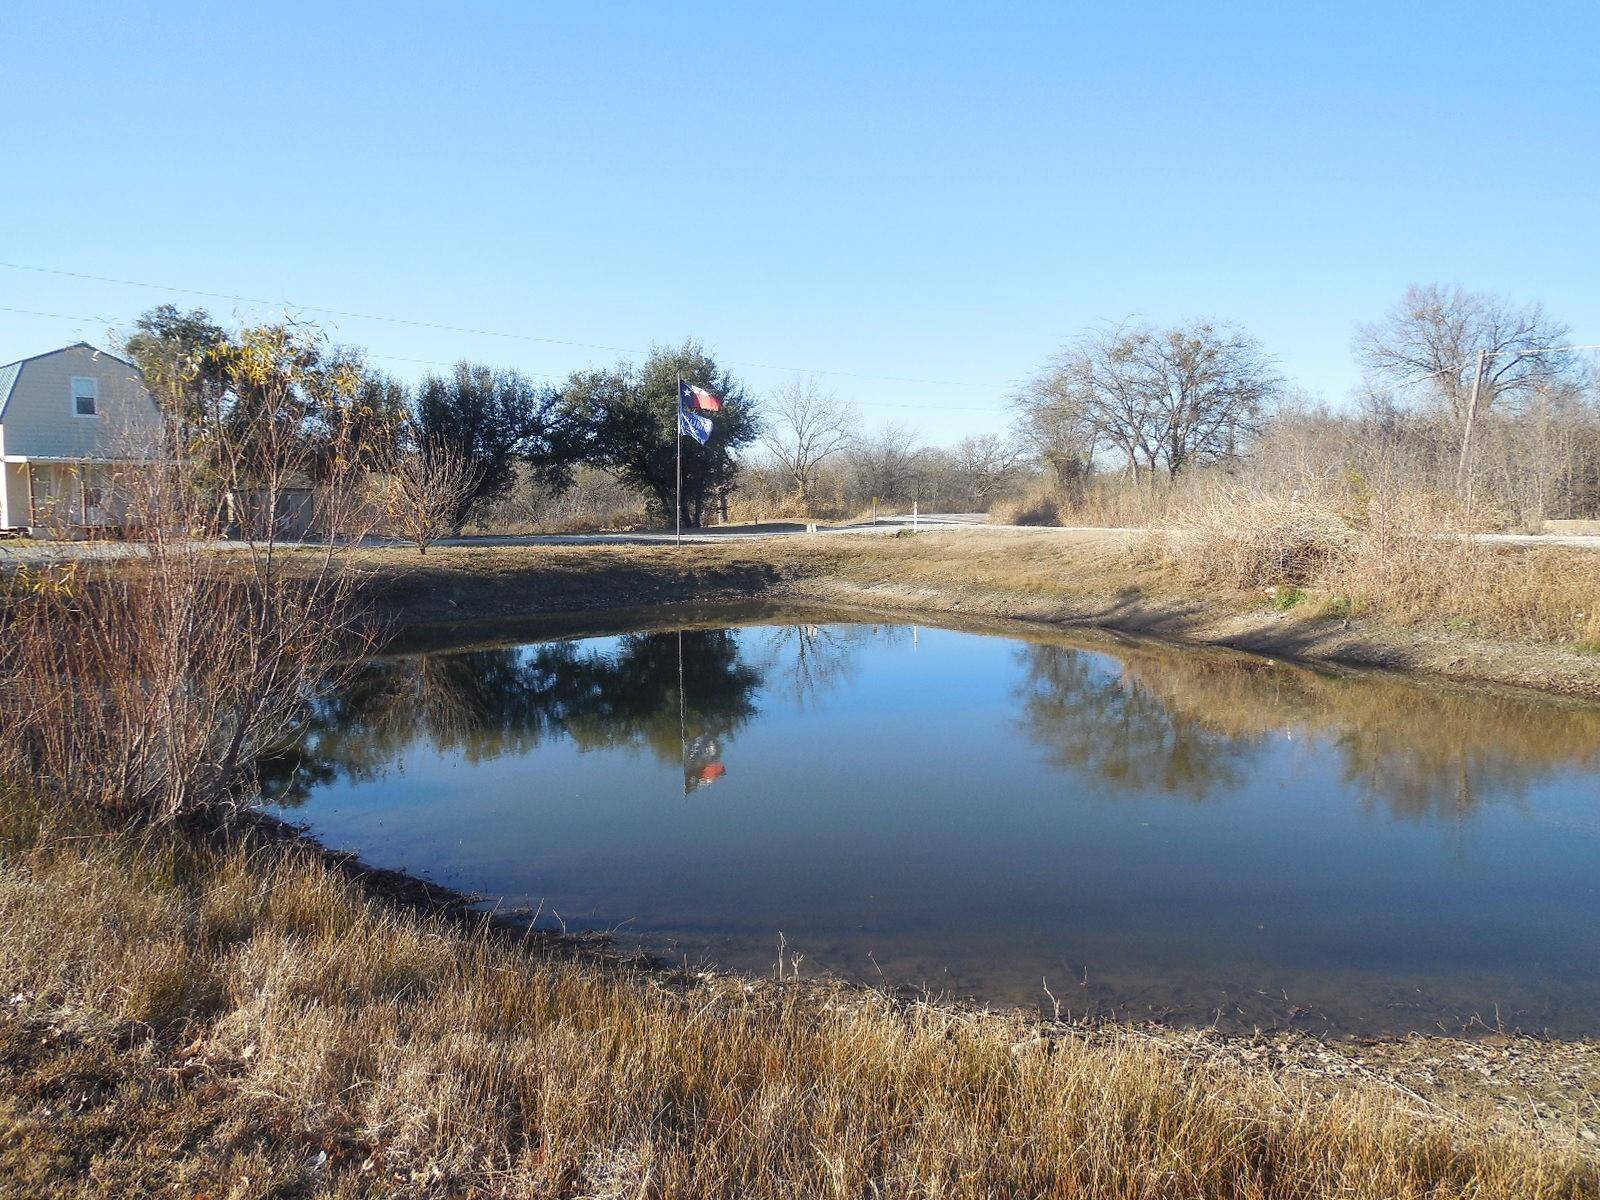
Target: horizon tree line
(1133,402)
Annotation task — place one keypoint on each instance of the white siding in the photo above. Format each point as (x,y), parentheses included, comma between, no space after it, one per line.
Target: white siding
(40,421)
(19,496)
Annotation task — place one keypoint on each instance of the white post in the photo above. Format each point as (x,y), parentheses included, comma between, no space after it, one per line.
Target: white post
(913,515)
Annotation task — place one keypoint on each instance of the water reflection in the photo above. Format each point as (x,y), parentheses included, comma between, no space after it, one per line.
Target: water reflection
(1144,720)
(806,663)
(1188,725)
(1202,835)
(1087,718)
(679,695)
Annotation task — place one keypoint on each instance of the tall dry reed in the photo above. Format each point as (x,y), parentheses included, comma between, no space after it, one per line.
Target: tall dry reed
(1399,553)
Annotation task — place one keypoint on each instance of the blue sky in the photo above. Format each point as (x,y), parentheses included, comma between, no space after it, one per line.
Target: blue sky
(939,193)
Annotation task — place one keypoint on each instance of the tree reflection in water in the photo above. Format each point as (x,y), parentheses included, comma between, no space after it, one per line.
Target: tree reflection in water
(1184,723)
(1138,718)
(1089,718)
(805,663)
(483,704)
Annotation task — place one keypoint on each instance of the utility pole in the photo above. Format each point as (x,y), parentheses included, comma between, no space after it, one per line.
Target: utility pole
(1463,473)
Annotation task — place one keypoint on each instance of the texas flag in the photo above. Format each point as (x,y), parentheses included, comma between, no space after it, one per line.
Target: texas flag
(698,398)
(693,405)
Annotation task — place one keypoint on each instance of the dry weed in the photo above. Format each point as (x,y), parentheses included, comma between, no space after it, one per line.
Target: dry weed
(1404,556)
(357,1050)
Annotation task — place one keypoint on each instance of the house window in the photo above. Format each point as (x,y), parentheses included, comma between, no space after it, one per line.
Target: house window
(85,396)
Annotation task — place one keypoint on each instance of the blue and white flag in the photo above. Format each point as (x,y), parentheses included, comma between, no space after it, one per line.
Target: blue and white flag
(695,425)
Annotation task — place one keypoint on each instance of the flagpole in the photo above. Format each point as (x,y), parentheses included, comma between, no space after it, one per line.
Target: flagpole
(677,499)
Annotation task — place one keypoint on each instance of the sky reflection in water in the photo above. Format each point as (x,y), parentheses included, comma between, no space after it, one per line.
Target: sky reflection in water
(1152,830)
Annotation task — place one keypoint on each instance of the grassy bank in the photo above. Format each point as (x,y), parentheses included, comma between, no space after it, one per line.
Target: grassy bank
(1483,613)
(237,1014)
(241,1019)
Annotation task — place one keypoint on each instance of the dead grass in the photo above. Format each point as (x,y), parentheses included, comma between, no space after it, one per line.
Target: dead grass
(1391,553)
(240,1021)
(1041,504)
(1393,576)
(1395,556)
(610,521)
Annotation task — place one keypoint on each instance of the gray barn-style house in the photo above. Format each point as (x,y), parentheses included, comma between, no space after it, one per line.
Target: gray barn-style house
(73,423)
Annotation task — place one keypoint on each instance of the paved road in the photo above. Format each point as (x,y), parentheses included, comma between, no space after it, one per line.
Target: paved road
(41,552)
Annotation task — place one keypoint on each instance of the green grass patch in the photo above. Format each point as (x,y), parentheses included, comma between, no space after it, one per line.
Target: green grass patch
(1284,597)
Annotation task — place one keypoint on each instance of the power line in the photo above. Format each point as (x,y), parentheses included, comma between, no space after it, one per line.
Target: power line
(430,362)
(1558,349)
(495,333)
(1459,367)
(32,312)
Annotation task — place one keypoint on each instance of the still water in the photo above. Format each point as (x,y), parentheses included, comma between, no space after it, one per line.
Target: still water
(1142,829)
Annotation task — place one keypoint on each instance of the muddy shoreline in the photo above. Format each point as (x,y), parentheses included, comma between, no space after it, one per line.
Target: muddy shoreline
(557,591)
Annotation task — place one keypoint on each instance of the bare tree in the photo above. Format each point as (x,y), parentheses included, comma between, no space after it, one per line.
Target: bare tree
(804,426)
(885,466)
(1433,337)
(984,465)
(427,485)
(1164,400)
(1055,430)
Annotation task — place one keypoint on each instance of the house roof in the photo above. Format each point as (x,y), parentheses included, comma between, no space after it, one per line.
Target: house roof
(69,346)
(10,371)
(8,380)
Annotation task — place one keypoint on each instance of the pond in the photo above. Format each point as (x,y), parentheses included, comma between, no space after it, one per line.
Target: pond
(1116,827)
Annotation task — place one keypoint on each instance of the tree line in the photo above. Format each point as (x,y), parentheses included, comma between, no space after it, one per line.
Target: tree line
(1473,399)
(469,435)
(1465,395)
(1470,403)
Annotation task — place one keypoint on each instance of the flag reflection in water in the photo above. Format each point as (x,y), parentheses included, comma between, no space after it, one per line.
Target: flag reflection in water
(701,756)
(702,763)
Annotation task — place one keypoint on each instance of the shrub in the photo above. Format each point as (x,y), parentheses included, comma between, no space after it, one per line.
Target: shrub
(1285,598)
(1399,553)
(1039,505)
(1247,537)
(149,686)
(594,501)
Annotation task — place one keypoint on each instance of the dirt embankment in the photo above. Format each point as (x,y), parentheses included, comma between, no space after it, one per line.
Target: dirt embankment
(1088,579)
